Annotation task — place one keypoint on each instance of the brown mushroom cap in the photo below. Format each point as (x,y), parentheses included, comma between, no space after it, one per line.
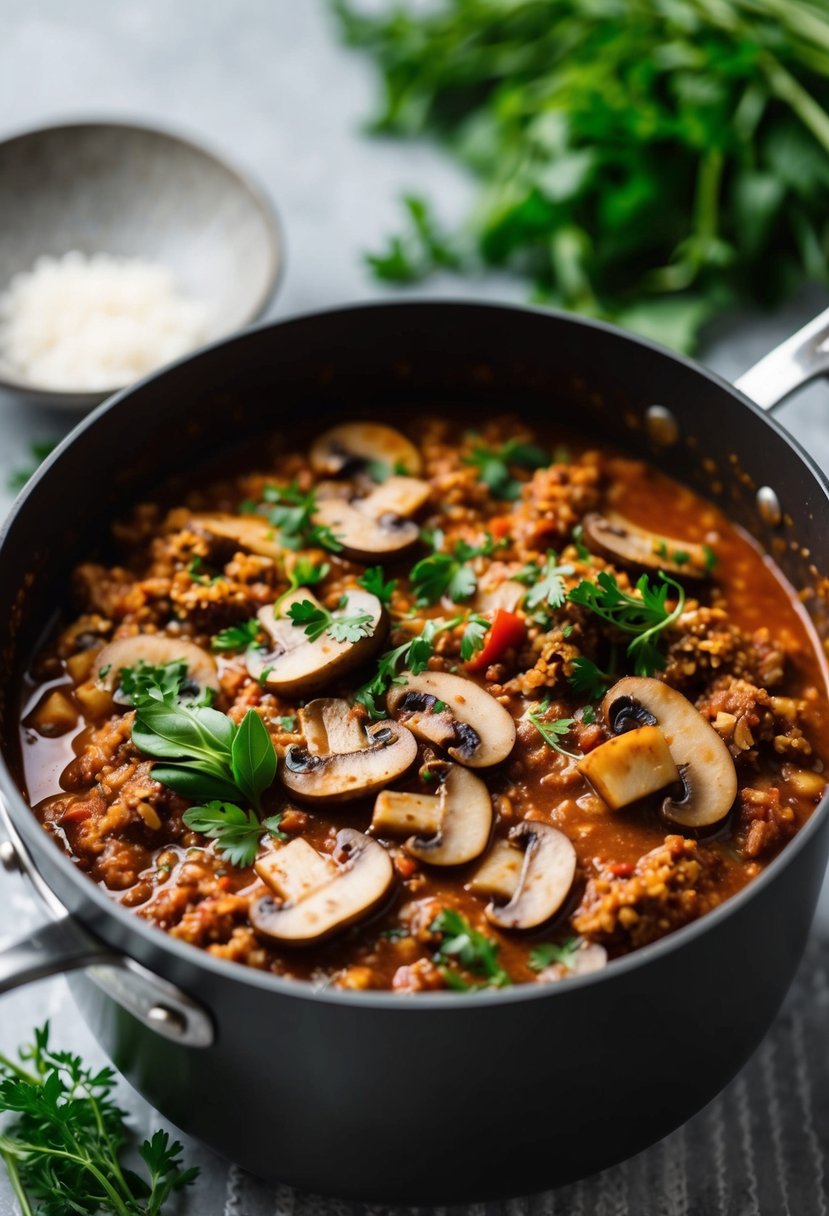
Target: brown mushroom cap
(704,762)
(619,540)
(324,900)
(473,728)
(452,827)
(352,446)
(377,526)
(296,666)
(547,876)
(155,649)
(372,756)
(249,532)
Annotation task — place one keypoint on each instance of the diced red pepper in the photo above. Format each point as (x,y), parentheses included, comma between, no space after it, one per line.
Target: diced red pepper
(622,869)
(500,526)
(76,814)
(507,631)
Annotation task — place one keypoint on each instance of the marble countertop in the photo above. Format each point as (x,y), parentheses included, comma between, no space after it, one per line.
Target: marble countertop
(265,80)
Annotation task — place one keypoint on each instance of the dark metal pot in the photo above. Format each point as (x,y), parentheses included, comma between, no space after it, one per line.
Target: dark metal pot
(434,1098)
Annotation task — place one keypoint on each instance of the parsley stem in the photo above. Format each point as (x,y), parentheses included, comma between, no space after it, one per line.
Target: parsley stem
(20,1195)
(21,1073)
(82,1159)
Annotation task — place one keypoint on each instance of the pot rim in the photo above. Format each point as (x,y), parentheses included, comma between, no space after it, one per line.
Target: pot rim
(225,969)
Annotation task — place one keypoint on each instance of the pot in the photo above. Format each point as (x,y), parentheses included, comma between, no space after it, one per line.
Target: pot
(437,1098)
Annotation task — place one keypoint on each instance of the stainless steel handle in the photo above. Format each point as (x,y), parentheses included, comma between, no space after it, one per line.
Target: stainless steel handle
(63,945)
(801,358)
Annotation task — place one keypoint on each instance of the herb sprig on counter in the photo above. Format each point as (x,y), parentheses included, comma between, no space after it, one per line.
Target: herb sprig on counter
(38,452)
(463,948)
(64,1146)
(645,615)
(650,163)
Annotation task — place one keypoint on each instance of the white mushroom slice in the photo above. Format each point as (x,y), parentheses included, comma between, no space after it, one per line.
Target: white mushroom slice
(296,666)
(589,957)
(451,827)
(155,649)
(355,446)
(618,539)
(396,496)
(360,881)
(455,714)
(249,532)
(546,878)
(295,870)
(323,771)
(630,766)
(705,766)
(499,874)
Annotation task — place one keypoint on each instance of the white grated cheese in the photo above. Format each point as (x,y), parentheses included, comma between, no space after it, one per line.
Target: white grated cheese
(79,323)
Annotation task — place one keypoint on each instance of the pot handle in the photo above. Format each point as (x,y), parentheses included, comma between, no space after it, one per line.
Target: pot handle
(801,358)
(57,946)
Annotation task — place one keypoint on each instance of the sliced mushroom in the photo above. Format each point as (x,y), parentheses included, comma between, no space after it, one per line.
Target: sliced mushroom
(705,766)
(317,899)
(354,446)
(630,766)
(618,539)
(547,874)
(589,957)
(499,874)
(344,759)
(454,714)
(155,649)
(249,532)
(296,666)
(377,526)
(451,827)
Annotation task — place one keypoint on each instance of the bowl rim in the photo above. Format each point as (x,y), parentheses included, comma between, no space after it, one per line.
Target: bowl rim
(250,183)
(384,999)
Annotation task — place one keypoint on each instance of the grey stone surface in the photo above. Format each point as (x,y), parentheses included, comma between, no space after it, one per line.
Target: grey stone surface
(265,81)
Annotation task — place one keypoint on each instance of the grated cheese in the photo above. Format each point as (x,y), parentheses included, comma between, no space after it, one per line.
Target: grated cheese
(79,323)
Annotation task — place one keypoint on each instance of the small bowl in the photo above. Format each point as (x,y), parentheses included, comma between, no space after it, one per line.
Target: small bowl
(131,191)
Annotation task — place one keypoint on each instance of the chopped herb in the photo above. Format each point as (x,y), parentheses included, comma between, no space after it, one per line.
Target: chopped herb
(474,636)
(291,513)
(237,833)
(373,581)
(303,573)
(438,707)
(546,582)
(582,550)
(588,715)
(64,1147)
(464,947)
(548,953)
(679,557)
(587,680)
(494,465)
(263,675)
(288,722)
(711,558)
(195,568)
(395,935)
(38,451)
(418,253)
(237,637)
(152,682)
(317,620)
(645,615)
(413,656)
(552,732)
(448,573)
(103,672)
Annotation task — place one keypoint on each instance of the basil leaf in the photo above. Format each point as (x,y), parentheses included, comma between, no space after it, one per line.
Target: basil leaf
(194,783)
(253,758)
(174,732)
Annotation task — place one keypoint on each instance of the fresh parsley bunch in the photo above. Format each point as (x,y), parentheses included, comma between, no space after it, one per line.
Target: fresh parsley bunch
(648,163)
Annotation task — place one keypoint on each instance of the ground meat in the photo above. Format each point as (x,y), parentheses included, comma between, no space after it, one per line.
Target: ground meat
(553,502)
(765,821)
(669,887)
(704,644)
(747,716)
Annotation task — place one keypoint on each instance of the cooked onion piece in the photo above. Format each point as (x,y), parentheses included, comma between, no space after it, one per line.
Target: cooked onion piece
(703,760)
(454,714)
(318,896)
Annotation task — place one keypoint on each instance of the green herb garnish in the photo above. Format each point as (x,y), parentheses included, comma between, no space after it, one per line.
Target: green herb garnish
(552,732)
(237,833)
(303,573)
(65,1145)
(291,513)
(548,953)
(416,254)
(38,451)
(711,558)
(587,680)
(448,573)
(494,465)
(546,583)
(464,947)
(317,620)
(645,615)
(237,637)
(152,681)
(412,656)
(474,636)
(373,581)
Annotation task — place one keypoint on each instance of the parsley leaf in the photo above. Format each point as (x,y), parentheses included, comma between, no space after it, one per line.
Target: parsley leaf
(236,637)
(412,656)
(474,636)
(711,558)
(547,953)
(372,580)
(644,615)
(237,833)
(64,1146)
(292,515)
(464,947)
(416,254)
(494,465)
(552,732)
(153,682)
(448,573)
(317,620)
(587,680)
(546,582)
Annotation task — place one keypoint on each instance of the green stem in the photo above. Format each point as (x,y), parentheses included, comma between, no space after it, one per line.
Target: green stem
(706,204)
(114,1163)
(16,1184)
(19,1072)
(787,89)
